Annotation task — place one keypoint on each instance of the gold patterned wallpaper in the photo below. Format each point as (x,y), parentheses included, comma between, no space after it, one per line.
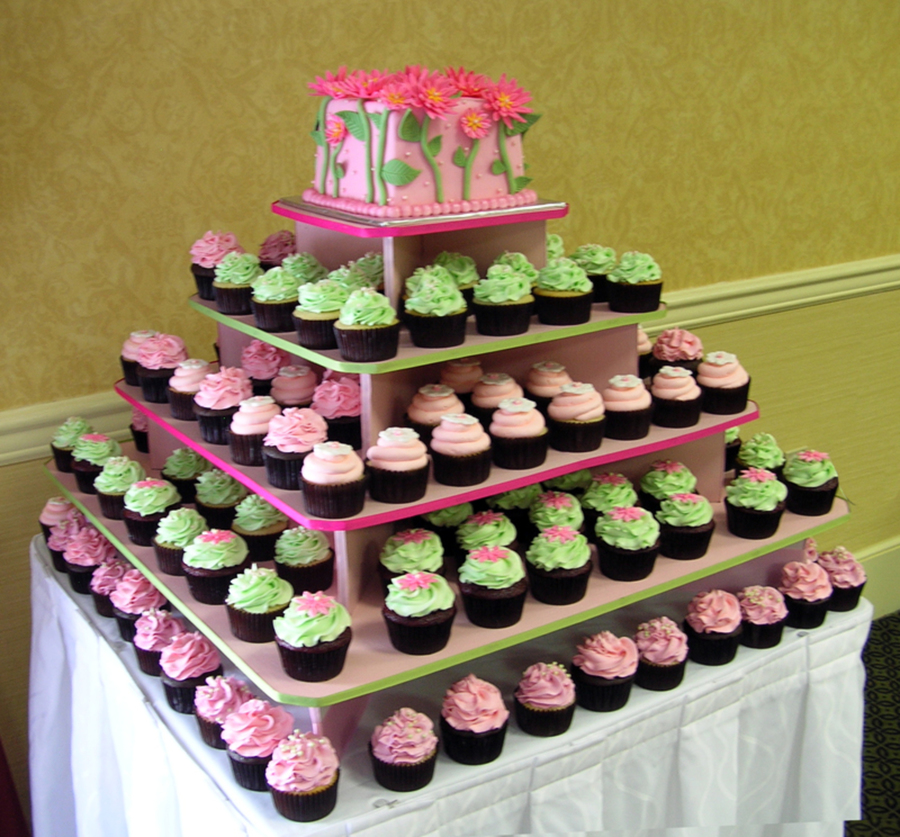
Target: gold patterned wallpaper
(729,139)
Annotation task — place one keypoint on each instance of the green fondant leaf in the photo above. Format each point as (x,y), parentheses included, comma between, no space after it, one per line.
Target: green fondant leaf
(520,183)
(398,173)
(498,167)
(409,128)
(459,157)
(318,137)
(522,127)
(354,124)
(339,171)
(434,144)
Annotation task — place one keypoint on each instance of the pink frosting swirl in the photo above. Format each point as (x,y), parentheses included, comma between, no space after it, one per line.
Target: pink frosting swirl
(842,567)
(433,401)
(134,341)
(254,415)
(337,397)
(221,696)
(332,463)
(296,430)
(189,655)
(156,629)
(714,612)
(805,580)
(546,686)
(674,383)
(459,435)
(139,420)
(721,370)
(661,642)
(474,705)
(644,346)
(134,594)
(607,655)
(545,378)
(294,386)
(88,548)
(407,737)
(398,449)
(189,374)
(302,762)
(108,575)
(576,402)
(161,351)
(213,247)
(55,511)
(677,344)
(276,246)
(461,375)
(263,360)
(493,388)
(66,529)
(516,418)
(224,389)
(255,729)
(626,393)
(762,605)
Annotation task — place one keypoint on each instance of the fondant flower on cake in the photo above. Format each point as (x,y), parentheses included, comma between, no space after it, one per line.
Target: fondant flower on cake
(468,84)
(331,85)
(560,534)
(475,124)
(507,101)
(335,132)
(488,553)
(394,95)
(432,92)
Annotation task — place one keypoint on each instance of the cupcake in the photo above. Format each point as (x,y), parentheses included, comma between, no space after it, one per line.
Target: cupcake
(186,663)
(184,385)
(724,382)
(518,435)
(182,468)
(502,302)
(761,451)
(273,299)
(397,466)
(333,481)
(662,479)
(319,305)
(515,504)
(713,627)
(294,386)
(418,610)
(147,502)
(662,653)
(64,439)
(635,284)
(277,246)
(214,701)
(53,513)
(157,359)
(556,508)
(129,354)
(685,526)
(103,581)
(140,430)
(490,390)
(807,593)
(248,428)
(645,354)
(304,558)
(543,382)
(576,418)
(290,438)
(251,734)
(485,528)
(461,375)
(627,541)
(408,551)
(493,586)
(606,491)
(262,362)
(153,631)
(575,482)
(596,261)
(338,400)
(434,310)
(313,636)
(677,347)
(255,597)
(302,776)
(732,447)
(211,561)
(217,497)
(558,562)
(628,406)
(563,294)
(90,453)
(462,269)
(520,263)
(403,750)
(460,451)
(763,616)
(545,700)
(367,329)
(812,482)
(603,670)
(846,575)
(754,502)
(174,532)
(556,249)
(84,553)
(133,594)
(206,253)
(430,403)
(304,267)
(110,485)
(473,721)
(61,534)
(677,400)
(232,282)
(218,399)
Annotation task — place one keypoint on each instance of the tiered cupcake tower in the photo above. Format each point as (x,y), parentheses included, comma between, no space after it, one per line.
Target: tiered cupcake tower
(594,351)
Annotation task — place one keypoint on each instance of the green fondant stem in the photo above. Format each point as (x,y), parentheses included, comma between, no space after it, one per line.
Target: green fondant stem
(364,119)
(326,163)
(501,147)
(379,159)
(423,142)
(334,177)
(467,169)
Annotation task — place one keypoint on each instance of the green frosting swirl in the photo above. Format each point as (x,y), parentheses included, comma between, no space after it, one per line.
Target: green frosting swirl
(502,284)
(95,451)
(148,497)
(275,285)
(185,464)
(259,590)
(371,268)
(564,275)
(367,307)
(215,554)
(595,259)
(302,629)
(576,481)
(412,550)
(67,433)
(238,269)
(301,546)
(436,297)
(732,434)
(556,508)
(750,493)
(422,274)
(806,470)
(117,474)
(504,571)
(495,530)
(517,498)
(417,600)
(761,451)
(322,297)
(520,264)
(640,533)
(555,247)
(179,528)
(559,549)
(216,488)
(634,269)
(304,268)
(253,514)
(663,483)
(450,516)
(681,511)
(462,268)
(602,496)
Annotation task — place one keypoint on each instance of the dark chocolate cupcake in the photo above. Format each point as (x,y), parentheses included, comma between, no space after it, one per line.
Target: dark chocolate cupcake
(473,721)
(685,526)
(603,671)
(662,654)
(211,561)
(186,662)
(493,585)
(312,637)
(403,750)
(545,700)
(518,433)
(558,563)
(763,616)
(713,627)
(255,597)
(627,540)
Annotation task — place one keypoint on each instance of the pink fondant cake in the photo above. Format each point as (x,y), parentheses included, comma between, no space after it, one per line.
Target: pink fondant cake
(419,143)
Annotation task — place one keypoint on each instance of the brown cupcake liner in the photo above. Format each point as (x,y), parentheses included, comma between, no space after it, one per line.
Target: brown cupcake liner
(181,404)
(397,486)
(111,505)
(628,425)
(502,320)
(249,771)
(125,622)
(210,733)
(560,586)
(845,598)
(203,278)
(309,806)
(751,523)
(576,436)
(436,332)
(544,723)
(311,578)
(211,586)
(214,424)
(468,747)
(811,502)
(368,345)
(761,636)
(419,635)
(246,449)
(232,299)
(216,517)
(626,564)
(461,470)
(347,430)
(634,299)
(806,615)
(334,501)
(659,678)
(519,454)
(601,289)
(489,608)
(180,693)
(668,412)
(403,778)
(252,627)
(321,662)
(62,458)
(273,317)
(315,334)
(712,648)
(722,401)
(148,661)
(142,528)
(601,694)
(129,371)
(85,474)
(283,469)
(187,489)
(154,383)
(563,310)
(80,578)
(141,439)
(102,605)
(685,543)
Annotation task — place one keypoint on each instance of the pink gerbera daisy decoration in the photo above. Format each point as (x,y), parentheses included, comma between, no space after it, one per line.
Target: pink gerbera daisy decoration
(627,513)
(335,131)
(416,581)
(468,83)
(431,91)
(363,85)
(315,604)
(475,124)
(394,95)
(812,456)
(331,85)
(506,101)
(413,536)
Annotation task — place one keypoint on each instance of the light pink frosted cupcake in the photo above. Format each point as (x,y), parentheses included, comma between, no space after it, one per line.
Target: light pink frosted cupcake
(129,354)
(519,435)
(662,654)
(847,578)
(302,776)
(490,390)
(261,361)
(218,399)
(338,399)
(248,428)
(84,553)
(603,670)
(53,513)
(184,385)
(576,418)
(397,466)
(807,592)
(544,381)
(545,700)
(460,451)
(153,631)
(157,358)
(403,750)
(725,383)
(629,407)
(61,533)
(291,436)
(294,386)
(428,405)
(251,734)
(677,400)
(461,375)
(206,253)
(333,481)
(131,597)
(277,246)
(713,627)
(763,614)
(104,581)
(214,701)
(186,662)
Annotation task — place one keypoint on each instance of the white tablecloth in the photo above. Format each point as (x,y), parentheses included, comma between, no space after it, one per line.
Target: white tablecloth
(767,745)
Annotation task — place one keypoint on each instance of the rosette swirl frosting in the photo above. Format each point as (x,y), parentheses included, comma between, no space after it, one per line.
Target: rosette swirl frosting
(258,590)
(661,642)
(237,269)
(494,567)
(302,762)
(179,528)
(212,247)
(156,628)
(809,468)
(608,490)
(367,307)
(133,343)
(462,268)
(546,686)
(224,389)
(412,550)
(630,527)
(418,594)
(761,451)
(459,434)
(337,398)
(635,268)
(216,488)
(161,351)
(486,528)
(805,580)
(756,488)
(275,285)
(149,497)
(577,402)
(556,508)
(215,549)
(406,737)
(721,370)
(254,514)
(492,388)
(677,344)
(89,548)
(95,448)
(685,510)
(332,463)
(300,546)
(545,378)
(666,477)
(474,705)
(503,284)
(276,247)
(312,618)
(255,728)
(564,274)
(559,548)
(261,360)
(185,464)
(296,430)
(118,473)
(675,383)
(294,385)
(843,569)
(594,258)
(134,593)
(762,605)
(461,374)
(607,655)
(715,611)
(398,449)
(65,530)
(517,418)
(519,262)
(304,267)
(253,416)
(189,655)
(108,575)
(189,374)
(431,402)
(322,297)
(69,432)
(219,697)
(625,393)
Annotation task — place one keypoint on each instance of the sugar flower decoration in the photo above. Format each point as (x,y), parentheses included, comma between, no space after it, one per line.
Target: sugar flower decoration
(627,513)
(315,604)
(416,581)
(757,475)
(488,553)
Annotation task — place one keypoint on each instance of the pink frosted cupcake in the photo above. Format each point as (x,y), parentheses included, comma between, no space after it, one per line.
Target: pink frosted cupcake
(544,381)
(218,399)
(461,375)
(576,418)
(677,400)
(302,776)
(807,592)
(84,553)
(291,436)
(847,578)
(262,361)
(397,465)
(603,670)
(333,481)
(104,581)
(338,399)
(518,435)
(251,734)
(763,616)
(248,428)
(545,700)
(490,390)
(61,534)
(53,513)
(725,383)
(214,701)
(403,750)
(460,451)
(294,386)
(206,253)
(276,248)
(473,721)
(153,631)
(184,385)
(129,354)
(140,430)
(131,597)
(713,627)
(677,347)
(628,408)
(662,654)
(428,405)
(186,662)
(157,358)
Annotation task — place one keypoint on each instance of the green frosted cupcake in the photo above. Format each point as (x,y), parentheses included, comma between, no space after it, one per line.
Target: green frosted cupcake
(635,284)
(260,524)
(812,482)
(113,481)
(232,284)
(754,503)
(435,310)
(319,305)
(418,610)
(556,508)
(89,454)
(147,502)
(255,597)
(304,557)
(174,532)
(274,297)
(597,262)
(410,550)
(664,478)
(627,539)
(217,496)
(182,468)
(486,528)
(761,451)
(502,301)
(558,563)
(211,561)
(493,586)
(686,526)
(563,294)
(64,439)
(313,636)
(367,329)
